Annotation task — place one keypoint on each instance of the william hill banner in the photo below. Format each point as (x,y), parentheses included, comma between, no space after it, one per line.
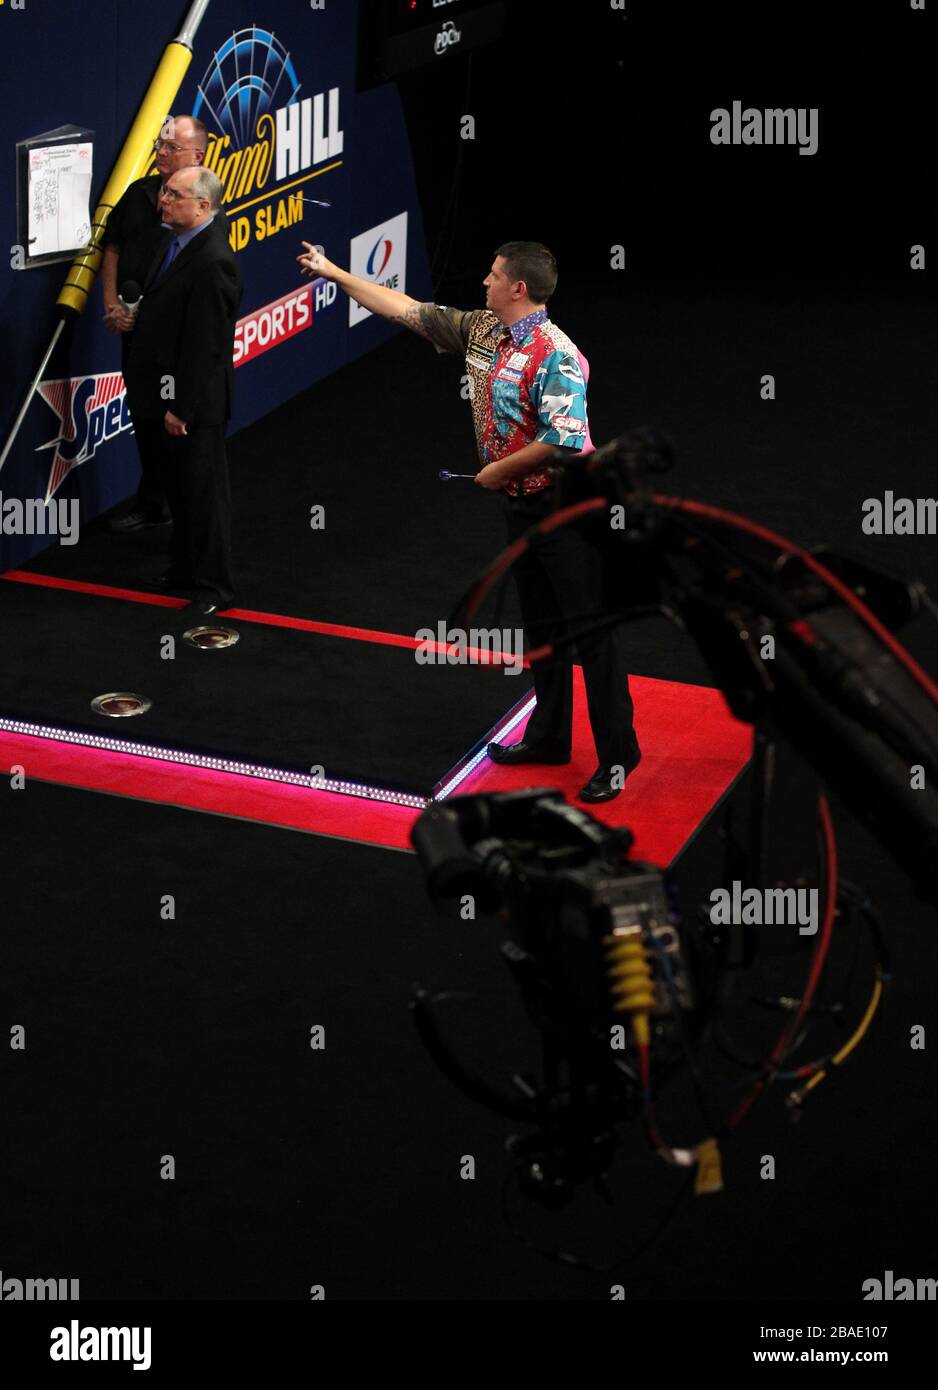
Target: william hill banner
(302,155)
(268,139)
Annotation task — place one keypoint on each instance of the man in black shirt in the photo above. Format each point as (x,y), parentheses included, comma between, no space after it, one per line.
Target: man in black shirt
(130,241)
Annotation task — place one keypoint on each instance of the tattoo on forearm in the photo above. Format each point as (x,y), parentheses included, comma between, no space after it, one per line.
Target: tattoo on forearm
(411,319)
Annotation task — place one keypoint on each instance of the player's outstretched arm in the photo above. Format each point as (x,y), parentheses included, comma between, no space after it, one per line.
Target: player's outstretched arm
(390,304)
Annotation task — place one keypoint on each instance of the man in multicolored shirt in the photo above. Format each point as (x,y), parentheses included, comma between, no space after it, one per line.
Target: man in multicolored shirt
(527,385)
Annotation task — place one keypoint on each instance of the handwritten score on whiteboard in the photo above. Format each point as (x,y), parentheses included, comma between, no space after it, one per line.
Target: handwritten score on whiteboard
(59,194)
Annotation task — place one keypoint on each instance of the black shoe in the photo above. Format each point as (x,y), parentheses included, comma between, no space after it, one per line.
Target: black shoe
(510,754)
(136,521)
(210,603)
(607,782)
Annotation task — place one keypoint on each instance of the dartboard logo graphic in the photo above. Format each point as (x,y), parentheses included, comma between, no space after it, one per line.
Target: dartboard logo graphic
(250,74)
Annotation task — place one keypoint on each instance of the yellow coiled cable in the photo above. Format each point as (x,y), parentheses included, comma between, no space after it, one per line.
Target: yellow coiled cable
(630,982)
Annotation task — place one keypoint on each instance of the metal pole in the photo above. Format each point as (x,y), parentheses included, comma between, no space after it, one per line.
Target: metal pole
(31,392)
(191,22)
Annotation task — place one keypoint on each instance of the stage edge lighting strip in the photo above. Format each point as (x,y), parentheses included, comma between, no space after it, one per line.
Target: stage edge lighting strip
(169,755)
(449,787)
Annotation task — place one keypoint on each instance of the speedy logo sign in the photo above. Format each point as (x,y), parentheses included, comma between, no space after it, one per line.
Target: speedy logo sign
(91,411)
(379,255)
(284,318)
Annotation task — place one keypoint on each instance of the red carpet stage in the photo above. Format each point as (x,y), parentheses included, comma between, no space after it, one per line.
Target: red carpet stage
(693,749)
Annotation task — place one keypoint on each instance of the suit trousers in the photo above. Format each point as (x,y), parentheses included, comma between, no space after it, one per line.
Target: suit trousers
(151,497)
(560,581)
(194,469)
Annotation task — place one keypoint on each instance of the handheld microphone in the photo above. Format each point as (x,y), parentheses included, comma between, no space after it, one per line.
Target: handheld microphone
(130,296)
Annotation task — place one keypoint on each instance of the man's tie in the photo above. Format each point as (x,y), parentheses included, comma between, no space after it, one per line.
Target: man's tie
(170,256)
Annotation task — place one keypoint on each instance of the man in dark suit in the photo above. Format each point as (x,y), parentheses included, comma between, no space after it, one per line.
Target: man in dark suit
(129,242)
(179,379)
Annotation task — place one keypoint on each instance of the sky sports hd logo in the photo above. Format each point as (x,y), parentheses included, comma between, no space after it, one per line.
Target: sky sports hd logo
(379,255)
(273,324)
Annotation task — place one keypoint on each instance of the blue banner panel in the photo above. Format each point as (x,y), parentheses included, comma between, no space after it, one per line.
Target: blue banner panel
(275,83)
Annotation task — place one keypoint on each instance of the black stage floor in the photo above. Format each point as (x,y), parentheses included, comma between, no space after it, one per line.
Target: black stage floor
(340,1166)
(362,711)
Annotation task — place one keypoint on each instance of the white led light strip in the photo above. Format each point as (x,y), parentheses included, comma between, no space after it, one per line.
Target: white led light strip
(449,787)
(169,755)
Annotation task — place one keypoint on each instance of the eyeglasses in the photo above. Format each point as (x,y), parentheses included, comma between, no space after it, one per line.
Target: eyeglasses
(170,145)
(177,197)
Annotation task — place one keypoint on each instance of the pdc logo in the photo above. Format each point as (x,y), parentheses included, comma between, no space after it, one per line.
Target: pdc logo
(91,411)
(447,37)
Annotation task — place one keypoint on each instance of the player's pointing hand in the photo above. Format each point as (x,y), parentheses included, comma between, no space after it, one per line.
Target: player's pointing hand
(313,262)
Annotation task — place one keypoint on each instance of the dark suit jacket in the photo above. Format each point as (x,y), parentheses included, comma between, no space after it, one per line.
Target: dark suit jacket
(185,331)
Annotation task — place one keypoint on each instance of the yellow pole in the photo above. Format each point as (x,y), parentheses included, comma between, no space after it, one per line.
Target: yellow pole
(134,157)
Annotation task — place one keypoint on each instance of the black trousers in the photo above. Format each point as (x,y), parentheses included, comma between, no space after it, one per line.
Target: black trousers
(194,470)
(151,497)
(560,583)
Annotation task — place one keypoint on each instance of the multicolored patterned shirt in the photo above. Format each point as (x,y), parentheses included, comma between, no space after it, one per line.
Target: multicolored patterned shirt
(527,383)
